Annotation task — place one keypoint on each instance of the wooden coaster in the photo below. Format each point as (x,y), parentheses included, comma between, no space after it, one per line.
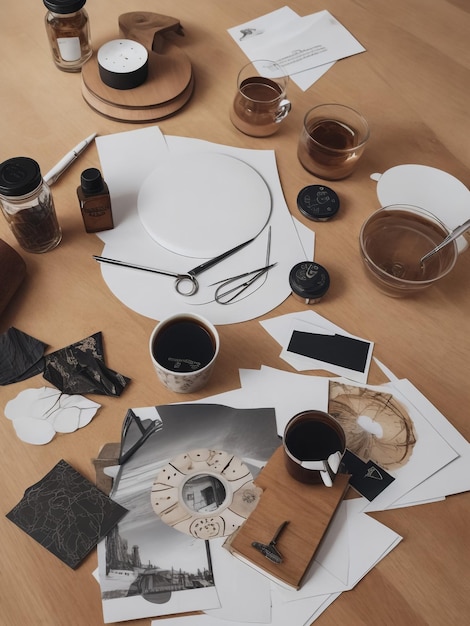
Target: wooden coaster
(170,81)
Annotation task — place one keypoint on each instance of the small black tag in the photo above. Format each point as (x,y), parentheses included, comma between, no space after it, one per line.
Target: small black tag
(369,479)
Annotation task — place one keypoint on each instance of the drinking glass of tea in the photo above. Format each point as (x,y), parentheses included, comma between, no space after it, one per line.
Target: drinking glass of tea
(260,102)
(332,140)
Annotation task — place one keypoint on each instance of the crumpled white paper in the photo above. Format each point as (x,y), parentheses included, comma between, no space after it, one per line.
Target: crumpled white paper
(38,414)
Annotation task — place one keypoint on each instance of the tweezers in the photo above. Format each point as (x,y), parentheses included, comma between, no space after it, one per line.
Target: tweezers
(226,296)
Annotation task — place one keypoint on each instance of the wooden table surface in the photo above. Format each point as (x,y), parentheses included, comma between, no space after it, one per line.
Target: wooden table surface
(413,86)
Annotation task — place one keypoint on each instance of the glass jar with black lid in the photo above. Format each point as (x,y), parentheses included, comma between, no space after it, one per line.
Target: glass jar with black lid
(28,206)
(68,31)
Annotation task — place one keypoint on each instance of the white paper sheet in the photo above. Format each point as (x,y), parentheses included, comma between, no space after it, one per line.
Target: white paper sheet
(127,159)
(282,327)
(310,42)
(368,542)
(306,47)
(267,388)
(455,477)
(244,595)
(289,393)
(430,454)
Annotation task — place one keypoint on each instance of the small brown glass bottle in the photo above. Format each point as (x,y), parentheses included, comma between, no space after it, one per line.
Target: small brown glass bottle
(95,202)
(68,31)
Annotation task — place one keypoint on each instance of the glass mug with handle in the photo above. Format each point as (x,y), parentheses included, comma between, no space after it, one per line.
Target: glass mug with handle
(260,102)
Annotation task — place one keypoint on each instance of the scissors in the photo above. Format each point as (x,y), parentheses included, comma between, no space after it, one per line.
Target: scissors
(188,279)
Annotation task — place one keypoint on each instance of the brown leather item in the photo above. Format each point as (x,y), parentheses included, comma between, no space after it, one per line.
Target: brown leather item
(12,273)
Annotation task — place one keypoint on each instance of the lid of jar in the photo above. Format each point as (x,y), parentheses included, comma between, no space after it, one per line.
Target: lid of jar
(64,6)
(19,176)
(318,202)
(309,280)
(91,180)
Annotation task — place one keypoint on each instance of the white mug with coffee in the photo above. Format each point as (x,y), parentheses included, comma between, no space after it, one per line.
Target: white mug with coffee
(183,349)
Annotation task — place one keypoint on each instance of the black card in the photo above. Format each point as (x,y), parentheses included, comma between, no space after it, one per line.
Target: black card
(21,356)
(339,350)
(66,514)
(80,369)
(368,478)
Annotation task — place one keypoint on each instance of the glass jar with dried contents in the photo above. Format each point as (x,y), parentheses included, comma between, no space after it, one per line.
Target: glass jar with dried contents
(68,31)
(27,204)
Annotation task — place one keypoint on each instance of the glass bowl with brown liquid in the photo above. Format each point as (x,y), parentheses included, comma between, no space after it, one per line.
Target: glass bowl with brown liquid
(392,242)
(332,140)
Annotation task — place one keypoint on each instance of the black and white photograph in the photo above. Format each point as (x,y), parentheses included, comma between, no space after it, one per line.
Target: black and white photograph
(146,567)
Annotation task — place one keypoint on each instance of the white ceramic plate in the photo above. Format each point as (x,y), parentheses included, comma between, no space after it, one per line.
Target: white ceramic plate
(202,204)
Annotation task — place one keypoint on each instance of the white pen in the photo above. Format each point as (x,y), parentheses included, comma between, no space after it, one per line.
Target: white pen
(60,167)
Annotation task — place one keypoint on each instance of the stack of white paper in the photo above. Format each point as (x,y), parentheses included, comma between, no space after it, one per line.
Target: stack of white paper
(437,466)
(355,542)
(305,47)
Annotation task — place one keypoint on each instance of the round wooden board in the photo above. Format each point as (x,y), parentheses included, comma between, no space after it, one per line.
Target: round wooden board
(138,115)
(168,87)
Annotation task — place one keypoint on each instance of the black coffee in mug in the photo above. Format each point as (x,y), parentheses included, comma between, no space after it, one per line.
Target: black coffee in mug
(183,345)
(312,441)
(314,444)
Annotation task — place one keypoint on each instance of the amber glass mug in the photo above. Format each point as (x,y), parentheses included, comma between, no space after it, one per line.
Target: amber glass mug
(260,102)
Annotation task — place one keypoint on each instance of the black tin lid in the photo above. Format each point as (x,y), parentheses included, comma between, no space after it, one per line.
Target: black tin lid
(309,280)
(91,181)
(64,6)
(19,176)
(318,202)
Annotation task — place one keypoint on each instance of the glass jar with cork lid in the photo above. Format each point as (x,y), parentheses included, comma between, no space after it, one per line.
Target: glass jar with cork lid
(68,31)
(27,204)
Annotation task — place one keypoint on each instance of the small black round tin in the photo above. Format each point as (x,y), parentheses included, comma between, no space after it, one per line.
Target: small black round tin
(309,281)
(318,203)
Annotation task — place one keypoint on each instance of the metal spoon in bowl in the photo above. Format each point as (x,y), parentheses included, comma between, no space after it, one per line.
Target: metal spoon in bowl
(450,237)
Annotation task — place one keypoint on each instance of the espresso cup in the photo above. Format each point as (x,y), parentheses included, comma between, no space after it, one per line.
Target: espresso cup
(260,102)
(392,242)
(332,140)
(183,349)
(314,444)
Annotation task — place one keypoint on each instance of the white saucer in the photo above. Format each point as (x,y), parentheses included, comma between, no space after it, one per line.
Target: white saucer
(202,204)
